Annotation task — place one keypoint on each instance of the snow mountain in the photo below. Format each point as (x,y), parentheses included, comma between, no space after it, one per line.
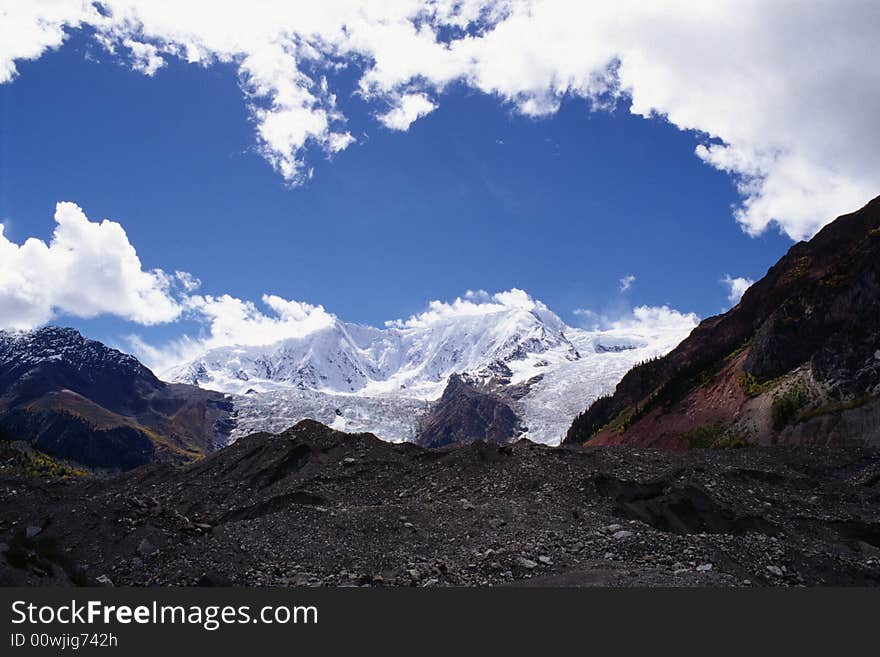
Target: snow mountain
(361,378)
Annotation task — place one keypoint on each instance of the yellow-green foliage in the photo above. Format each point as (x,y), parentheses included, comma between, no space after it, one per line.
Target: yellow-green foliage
(621,422)
(45,466)
(752,387)
(833,407)
(749,384)
(714,436)
(736,352)
(787,406)
(799,267)
(36,464)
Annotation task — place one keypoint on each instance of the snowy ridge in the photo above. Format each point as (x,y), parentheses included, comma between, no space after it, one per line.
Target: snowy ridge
(66,346)
(360,378)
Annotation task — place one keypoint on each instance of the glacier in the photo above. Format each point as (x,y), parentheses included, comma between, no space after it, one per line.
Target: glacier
(383,380)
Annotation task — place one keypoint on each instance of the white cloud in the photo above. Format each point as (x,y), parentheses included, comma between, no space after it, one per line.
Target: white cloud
(627,282)
(658,318)
(409,108)
(647,320)
(145,57)
(28,29)
(228,321)
(782,96)
(474,303)
(187,281)
(736,287)
(661,326)
(86,269)
(233,322)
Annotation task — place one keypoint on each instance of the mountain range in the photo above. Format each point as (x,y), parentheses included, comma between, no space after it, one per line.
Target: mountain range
(514,371)
(796,361)
(221,498)
(517,356)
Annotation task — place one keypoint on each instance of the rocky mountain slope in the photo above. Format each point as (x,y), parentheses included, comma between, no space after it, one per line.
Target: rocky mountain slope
(797,361)
(358,378)
(77,399)
(466,413)
(313,506)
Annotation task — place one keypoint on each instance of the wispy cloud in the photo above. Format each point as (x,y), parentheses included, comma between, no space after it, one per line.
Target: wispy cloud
(627,282)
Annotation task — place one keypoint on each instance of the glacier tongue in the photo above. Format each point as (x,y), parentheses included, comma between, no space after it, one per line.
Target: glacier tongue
(360,378)
(393,418)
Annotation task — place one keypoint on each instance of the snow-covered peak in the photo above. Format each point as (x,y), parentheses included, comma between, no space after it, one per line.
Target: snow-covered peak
(62,345)
(416,356)
(327,358)
(347,373)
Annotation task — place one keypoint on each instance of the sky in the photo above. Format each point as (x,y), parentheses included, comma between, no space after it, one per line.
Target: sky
(265,164)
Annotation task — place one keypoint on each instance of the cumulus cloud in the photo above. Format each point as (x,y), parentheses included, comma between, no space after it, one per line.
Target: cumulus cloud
(87,269)
(652,320)
(736,287)
(661,326)
(474,303)
(781,96)
(409,108)
(228,321)
(658,318)
(627,282)
(234,322)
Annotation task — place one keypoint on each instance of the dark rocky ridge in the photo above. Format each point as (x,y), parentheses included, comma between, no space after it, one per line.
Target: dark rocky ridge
(78,399)
(812,323)
(468,413)
(55,358)
(312,506)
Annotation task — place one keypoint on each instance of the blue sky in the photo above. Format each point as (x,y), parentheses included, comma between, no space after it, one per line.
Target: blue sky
(473,196)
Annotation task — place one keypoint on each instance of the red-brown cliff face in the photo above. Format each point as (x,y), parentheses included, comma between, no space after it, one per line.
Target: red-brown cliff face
(796,361)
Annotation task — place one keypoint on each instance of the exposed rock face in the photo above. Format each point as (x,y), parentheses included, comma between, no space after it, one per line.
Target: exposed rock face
(313,506)
(467,414)
(797,360)
(78,399)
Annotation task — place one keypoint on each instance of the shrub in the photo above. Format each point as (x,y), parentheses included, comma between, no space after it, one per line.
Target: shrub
(787,405)
(714,436)
(749,384)
(834,407)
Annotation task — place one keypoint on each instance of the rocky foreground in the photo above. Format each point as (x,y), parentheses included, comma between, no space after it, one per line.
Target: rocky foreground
(313,507)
